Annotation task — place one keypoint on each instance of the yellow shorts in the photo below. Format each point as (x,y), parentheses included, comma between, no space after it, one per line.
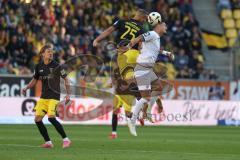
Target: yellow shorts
(46,106)
(126,63)
(160,69)
(125,101)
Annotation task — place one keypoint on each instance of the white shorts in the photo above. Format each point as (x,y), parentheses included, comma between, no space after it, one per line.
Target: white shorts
(144,77)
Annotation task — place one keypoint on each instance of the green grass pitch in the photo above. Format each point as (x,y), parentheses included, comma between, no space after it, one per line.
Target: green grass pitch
(20,142)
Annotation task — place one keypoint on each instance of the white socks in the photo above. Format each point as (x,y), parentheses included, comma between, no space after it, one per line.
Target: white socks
(136,109)
(114,133)
(48,142)
(66,139)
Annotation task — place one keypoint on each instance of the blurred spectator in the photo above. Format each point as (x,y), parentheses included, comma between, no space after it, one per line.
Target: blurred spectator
(181,60)
(235,4)
(204,75)
(216,92)
(186,6)
(223,4)
(183,74)
(180,36)
(212,75)
(4,39)
(194,59)
(200,73)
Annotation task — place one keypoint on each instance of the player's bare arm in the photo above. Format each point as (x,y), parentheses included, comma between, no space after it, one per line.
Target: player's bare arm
(68,90)
(131,44)
(31,84)
(103,35)
(135,41)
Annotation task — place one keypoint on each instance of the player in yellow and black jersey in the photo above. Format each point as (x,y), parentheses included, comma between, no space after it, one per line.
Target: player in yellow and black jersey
(49,73)
(126,30)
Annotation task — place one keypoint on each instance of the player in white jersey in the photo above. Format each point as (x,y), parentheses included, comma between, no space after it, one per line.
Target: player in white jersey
(144,75)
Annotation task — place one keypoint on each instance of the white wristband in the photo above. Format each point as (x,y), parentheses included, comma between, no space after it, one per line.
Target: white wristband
(166,53)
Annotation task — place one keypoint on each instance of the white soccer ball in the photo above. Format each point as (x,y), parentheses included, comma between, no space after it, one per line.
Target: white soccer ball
(154,18)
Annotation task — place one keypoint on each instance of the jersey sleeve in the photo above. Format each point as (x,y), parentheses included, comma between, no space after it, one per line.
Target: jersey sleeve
(142,31)
(36,73)
(63,72)
(117,24)
(148,36)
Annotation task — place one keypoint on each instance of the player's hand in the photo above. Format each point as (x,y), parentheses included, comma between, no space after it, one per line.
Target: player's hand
(67,99)
(95,43)
(24,90)
(171,56)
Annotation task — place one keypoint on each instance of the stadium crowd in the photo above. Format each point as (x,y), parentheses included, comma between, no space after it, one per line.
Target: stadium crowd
(71,25)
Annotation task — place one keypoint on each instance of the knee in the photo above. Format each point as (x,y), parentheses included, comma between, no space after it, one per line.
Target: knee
(115,112)
(38,119)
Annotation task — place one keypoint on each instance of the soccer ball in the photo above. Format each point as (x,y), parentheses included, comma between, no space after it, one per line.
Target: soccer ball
(154,18)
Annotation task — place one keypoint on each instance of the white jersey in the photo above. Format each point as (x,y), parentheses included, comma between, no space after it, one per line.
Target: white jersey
(150,48)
